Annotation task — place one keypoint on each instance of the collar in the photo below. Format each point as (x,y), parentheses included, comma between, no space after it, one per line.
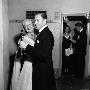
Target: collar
(81,30)
(67,36)
(42,28)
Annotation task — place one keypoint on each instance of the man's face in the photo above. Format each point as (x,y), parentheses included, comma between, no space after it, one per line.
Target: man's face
(78,28)
(39,22)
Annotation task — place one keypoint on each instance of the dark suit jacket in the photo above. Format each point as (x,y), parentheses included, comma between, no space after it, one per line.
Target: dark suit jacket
(81,42)
(43,74)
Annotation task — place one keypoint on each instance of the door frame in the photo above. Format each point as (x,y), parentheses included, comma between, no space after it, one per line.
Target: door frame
(87,31)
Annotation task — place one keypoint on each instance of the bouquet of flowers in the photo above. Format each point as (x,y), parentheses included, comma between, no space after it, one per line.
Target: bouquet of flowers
(69,51)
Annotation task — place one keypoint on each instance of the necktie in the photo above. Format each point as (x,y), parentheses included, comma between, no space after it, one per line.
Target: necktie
(36,31)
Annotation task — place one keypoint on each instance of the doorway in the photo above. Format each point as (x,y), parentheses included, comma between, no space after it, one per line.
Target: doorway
(69,66)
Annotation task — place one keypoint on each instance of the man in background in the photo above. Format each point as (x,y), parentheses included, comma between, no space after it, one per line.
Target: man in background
(80,50)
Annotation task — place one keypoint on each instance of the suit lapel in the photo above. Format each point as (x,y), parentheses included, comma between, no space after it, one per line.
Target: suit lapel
(40,35)
(43,31)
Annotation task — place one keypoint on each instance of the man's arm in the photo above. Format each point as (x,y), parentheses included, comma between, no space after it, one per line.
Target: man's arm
(42,49)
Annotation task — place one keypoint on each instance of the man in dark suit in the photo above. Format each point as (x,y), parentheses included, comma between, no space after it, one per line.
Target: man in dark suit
(41,53)
(80,49)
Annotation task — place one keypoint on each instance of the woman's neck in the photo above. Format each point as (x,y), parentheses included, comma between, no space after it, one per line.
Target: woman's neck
(66,35)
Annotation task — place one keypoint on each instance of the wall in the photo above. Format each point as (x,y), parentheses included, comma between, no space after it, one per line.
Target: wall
(55,28)
(17,10)
(5,42)
(1,50)
(75,6)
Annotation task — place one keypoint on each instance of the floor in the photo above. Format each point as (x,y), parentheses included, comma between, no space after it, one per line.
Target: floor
(64,83)
(68,83)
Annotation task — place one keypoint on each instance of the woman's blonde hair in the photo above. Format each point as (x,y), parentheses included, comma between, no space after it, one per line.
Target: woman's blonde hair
(27,21)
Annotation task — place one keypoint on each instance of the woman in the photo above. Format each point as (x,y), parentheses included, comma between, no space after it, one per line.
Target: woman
(67,52)
(22,71)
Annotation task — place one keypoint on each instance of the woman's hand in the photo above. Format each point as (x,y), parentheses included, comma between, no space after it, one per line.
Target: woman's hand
(22,44)
(28,40)
(71,38)
(74,41)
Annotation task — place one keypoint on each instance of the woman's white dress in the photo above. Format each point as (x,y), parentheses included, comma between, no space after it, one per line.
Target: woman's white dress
(22,80)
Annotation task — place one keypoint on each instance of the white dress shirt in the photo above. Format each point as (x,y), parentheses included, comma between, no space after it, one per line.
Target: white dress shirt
(42,28)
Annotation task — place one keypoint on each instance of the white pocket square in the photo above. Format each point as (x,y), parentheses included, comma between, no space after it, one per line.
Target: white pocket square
(37,41)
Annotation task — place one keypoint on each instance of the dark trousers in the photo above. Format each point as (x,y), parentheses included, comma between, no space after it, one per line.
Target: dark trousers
(79,65)
(43,81)
(67,63)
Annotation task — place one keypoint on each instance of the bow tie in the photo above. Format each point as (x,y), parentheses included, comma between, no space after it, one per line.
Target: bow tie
(36,31)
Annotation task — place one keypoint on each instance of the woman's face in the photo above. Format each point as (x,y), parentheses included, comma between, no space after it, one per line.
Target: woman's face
(28,26)
(67,30)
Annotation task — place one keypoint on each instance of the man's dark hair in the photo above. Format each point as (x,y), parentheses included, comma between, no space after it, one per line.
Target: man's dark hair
(79,24)
(44,15)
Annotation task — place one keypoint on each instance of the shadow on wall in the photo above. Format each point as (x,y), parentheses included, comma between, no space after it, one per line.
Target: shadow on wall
(11,58)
